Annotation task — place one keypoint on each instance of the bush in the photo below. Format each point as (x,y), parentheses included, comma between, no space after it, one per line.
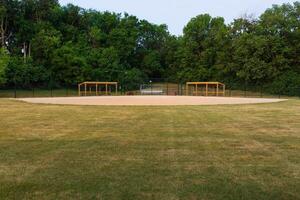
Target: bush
(24,74)
(286,84)
(4,60)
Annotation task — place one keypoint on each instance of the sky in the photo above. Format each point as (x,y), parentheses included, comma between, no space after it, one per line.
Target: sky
(177,13)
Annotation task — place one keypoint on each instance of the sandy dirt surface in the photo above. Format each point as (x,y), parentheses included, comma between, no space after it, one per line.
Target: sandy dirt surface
(149,100)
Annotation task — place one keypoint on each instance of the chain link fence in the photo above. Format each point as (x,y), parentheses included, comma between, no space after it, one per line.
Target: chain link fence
(149,87)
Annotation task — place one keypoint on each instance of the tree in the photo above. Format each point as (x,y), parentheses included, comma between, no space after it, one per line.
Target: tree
(257,59)
(23,74)
(203,48)
(44,43)
(2,25)
(67,65)
(4,60)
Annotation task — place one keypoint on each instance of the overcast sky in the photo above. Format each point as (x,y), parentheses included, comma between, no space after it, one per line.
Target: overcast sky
(177,13)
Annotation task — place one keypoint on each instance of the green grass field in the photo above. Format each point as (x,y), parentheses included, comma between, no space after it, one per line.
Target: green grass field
(185,152)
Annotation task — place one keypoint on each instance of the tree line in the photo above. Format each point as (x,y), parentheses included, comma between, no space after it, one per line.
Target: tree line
(44,44)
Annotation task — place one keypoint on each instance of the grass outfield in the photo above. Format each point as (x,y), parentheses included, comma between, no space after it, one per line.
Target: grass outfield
(184,152)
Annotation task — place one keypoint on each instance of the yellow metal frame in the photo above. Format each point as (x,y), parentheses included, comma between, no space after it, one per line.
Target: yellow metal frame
(216,85)
(96,84)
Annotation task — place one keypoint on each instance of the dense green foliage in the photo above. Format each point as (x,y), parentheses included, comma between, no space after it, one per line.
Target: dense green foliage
(57,45)
(4,60)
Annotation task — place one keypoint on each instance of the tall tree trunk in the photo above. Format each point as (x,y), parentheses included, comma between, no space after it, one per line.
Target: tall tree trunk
(24,51)
(2,33)
(29,49)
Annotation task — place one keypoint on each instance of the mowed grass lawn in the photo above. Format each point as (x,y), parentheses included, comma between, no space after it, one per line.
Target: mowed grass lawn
(184,152)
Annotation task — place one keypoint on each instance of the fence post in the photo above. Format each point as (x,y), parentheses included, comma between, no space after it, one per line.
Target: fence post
(51,84)
(167,88)
(15,92)
(181,89)
(15,86)
(67,91)
(245,90)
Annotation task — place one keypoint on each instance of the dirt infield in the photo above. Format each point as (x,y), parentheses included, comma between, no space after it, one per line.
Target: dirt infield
(149,100)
